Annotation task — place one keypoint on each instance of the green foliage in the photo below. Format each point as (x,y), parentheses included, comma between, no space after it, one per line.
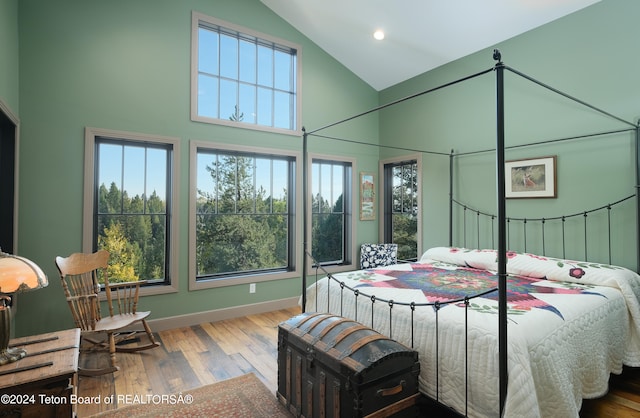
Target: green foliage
(238,227)
(236,243)
(405,227)
(237,116)
(404,218)
(123,254)
(134,232)
(327,230)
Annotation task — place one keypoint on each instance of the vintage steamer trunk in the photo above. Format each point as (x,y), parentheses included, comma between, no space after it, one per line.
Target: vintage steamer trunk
(329,366)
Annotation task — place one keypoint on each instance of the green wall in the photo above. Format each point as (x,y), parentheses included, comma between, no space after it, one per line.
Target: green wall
(9,54)
(125,65)
(589,55)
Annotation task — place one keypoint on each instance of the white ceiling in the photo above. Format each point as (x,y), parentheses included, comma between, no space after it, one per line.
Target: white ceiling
(420,34)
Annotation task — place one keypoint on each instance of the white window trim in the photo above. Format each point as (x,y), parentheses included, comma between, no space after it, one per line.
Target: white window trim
(382,163)
(196,18)
(89,190)
(195,284)
(354,208)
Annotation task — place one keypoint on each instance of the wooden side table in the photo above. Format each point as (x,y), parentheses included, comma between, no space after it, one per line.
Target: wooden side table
(42,384)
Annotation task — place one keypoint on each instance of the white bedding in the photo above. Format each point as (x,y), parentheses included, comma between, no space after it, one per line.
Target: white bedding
(566,334)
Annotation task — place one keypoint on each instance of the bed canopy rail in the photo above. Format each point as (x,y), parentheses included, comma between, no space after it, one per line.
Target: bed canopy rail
(506,222)
(630,125)
(570,97)
(500,218)
(314,132)
(401,100)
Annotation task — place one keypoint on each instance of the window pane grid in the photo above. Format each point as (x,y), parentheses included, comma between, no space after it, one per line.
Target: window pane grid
(242,225)
(129,203)
(228,89)
(329,190)
(130,212)
(404,189)
(402,207)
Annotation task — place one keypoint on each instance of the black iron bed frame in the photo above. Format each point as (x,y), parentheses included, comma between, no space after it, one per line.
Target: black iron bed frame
(503,222)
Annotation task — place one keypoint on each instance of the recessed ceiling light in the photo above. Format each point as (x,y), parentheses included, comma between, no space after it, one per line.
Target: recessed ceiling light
(378,34)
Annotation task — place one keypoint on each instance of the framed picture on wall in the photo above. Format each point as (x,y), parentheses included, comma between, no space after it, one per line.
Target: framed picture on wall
(531,178)
(367,197)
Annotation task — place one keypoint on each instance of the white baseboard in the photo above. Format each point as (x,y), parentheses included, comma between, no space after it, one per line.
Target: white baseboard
(188,320)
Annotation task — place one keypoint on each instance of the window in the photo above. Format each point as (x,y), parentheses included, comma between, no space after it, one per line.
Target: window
(331,208)
(243,221)
(241,77)
(129,209)
(400,221)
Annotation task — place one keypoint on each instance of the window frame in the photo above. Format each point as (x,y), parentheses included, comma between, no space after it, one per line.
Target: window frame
(386,193)
(89,200)
(232,279)
(198,18)
(350,226)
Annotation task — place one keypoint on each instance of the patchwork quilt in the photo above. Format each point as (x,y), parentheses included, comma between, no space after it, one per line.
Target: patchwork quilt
(570,324)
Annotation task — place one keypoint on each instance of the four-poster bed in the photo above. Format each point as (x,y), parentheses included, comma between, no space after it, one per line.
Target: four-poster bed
(480,357)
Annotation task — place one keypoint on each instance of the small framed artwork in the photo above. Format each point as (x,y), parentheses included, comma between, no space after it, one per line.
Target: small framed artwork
(367,197)
(531,178)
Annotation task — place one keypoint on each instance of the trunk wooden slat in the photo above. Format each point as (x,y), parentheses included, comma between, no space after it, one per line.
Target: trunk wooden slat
(329,366)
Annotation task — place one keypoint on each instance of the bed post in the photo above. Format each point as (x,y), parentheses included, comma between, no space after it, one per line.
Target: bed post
(502,236)
(304,219)
(451,199)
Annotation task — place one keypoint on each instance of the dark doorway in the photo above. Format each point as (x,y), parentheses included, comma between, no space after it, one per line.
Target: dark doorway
(7,181)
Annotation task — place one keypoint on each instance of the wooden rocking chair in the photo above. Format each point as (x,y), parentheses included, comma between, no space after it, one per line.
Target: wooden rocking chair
(79,274)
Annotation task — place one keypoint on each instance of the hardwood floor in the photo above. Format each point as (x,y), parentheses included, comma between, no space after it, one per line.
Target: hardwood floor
(203,354)
(188,358)
(622,401)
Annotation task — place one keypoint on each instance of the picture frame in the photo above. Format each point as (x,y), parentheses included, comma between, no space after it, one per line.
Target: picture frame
(367,196)
(531,178)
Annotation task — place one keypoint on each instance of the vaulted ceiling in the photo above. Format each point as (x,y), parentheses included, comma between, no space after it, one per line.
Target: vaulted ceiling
(419,34)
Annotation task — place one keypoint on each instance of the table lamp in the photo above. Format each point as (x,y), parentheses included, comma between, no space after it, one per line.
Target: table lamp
(17,274)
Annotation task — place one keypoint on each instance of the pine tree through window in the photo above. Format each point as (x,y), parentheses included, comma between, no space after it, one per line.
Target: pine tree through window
(131,218)
(244,219)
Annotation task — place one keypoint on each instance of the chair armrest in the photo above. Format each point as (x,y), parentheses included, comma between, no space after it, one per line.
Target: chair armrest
(118,285)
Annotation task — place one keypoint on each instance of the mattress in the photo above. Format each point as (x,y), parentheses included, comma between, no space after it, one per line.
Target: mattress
(570,324)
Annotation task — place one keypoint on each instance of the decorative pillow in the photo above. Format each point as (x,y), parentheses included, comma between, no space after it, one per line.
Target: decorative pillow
(531,265)
(479,259)
(376,255)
